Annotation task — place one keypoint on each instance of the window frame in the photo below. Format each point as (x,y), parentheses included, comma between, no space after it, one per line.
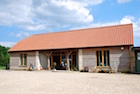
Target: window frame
(23,60)
(99,57)
(103,58)
(107,58)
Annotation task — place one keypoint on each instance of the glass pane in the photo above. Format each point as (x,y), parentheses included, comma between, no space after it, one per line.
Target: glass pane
(100,58)
(105,59)
(21,59)
(108,58)
(25,59)
(97,54)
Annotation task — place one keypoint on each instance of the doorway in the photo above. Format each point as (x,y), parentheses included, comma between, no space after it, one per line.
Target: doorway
(137,58)
(56,58)
(61,60)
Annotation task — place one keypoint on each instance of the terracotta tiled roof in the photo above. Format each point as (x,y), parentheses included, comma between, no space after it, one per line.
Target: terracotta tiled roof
(93,37)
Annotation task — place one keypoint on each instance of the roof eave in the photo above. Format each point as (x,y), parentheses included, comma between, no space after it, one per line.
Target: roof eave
(68,48)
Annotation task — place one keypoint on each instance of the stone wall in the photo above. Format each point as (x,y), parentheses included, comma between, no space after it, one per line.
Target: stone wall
(15,60)
(89,56)
(124,60)
(118,58)
(132,61)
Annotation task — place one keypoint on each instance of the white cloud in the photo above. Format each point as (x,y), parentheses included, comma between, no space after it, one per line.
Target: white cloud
(99,24)
(34,26)
(136,24)
(14,12)
(125,20)
(123,1)
(58,13)
(22,34)
(7,44)
(46,14)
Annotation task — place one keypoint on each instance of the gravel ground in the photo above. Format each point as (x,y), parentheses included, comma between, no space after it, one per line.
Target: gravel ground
(64,82)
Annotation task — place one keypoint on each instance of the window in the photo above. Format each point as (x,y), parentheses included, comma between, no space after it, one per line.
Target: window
(102,58)
(99,58)
(23,59)
(106,58)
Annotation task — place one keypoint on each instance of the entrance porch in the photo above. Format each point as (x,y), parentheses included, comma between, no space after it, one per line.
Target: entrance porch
(65,59)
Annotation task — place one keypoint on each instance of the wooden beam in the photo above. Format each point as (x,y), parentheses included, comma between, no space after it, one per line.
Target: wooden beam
(60,58)
(102,58)
(51,61)
(65,57)
(71,61)
(69,53)
(23,59)
(48,53)
(99,57)
(76,59)
(96,58)
(19,60)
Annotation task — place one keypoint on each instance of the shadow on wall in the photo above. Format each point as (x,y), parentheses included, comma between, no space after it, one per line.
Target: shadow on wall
(124,63)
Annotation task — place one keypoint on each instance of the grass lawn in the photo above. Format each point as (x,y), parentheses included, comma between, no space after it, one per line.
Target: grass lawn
(2,67)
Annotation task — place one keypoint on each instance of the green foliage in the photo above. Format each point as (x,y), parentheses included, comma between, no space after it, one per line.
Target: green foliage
(75,69)
(4,55)
(3,67)
(54,63)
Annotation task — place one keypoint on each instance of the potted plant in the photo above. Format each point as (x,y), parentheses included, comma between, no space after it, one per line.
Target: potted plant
(54,65)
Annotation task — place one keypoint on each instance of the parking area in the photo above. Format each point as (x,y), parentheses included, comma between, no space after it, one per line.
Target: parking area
(64,82)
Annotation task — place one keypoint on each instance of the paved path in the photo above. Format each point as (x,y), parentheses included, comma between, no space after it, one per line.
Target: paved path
(47,82)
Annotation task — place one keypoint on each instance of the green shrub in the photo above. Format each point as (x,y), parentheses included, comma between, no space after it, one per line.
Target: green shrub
(54,64)
(75,69)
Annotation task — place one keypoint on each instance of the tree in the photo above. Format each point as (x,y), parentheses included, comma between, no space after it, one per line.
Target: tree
(4,55)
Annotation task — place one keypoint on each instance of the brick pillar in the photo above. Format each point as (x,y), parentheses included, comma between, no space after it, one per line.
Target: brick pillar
(49,62)
(37,60)
(80,60)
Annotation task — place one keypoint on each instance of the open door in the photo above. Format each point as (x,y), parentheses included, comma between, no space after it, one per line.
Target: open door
(56,58)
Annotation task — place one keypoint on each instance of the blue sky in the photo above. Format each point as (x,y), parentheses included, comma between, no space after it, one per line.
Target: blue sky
(22,18)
